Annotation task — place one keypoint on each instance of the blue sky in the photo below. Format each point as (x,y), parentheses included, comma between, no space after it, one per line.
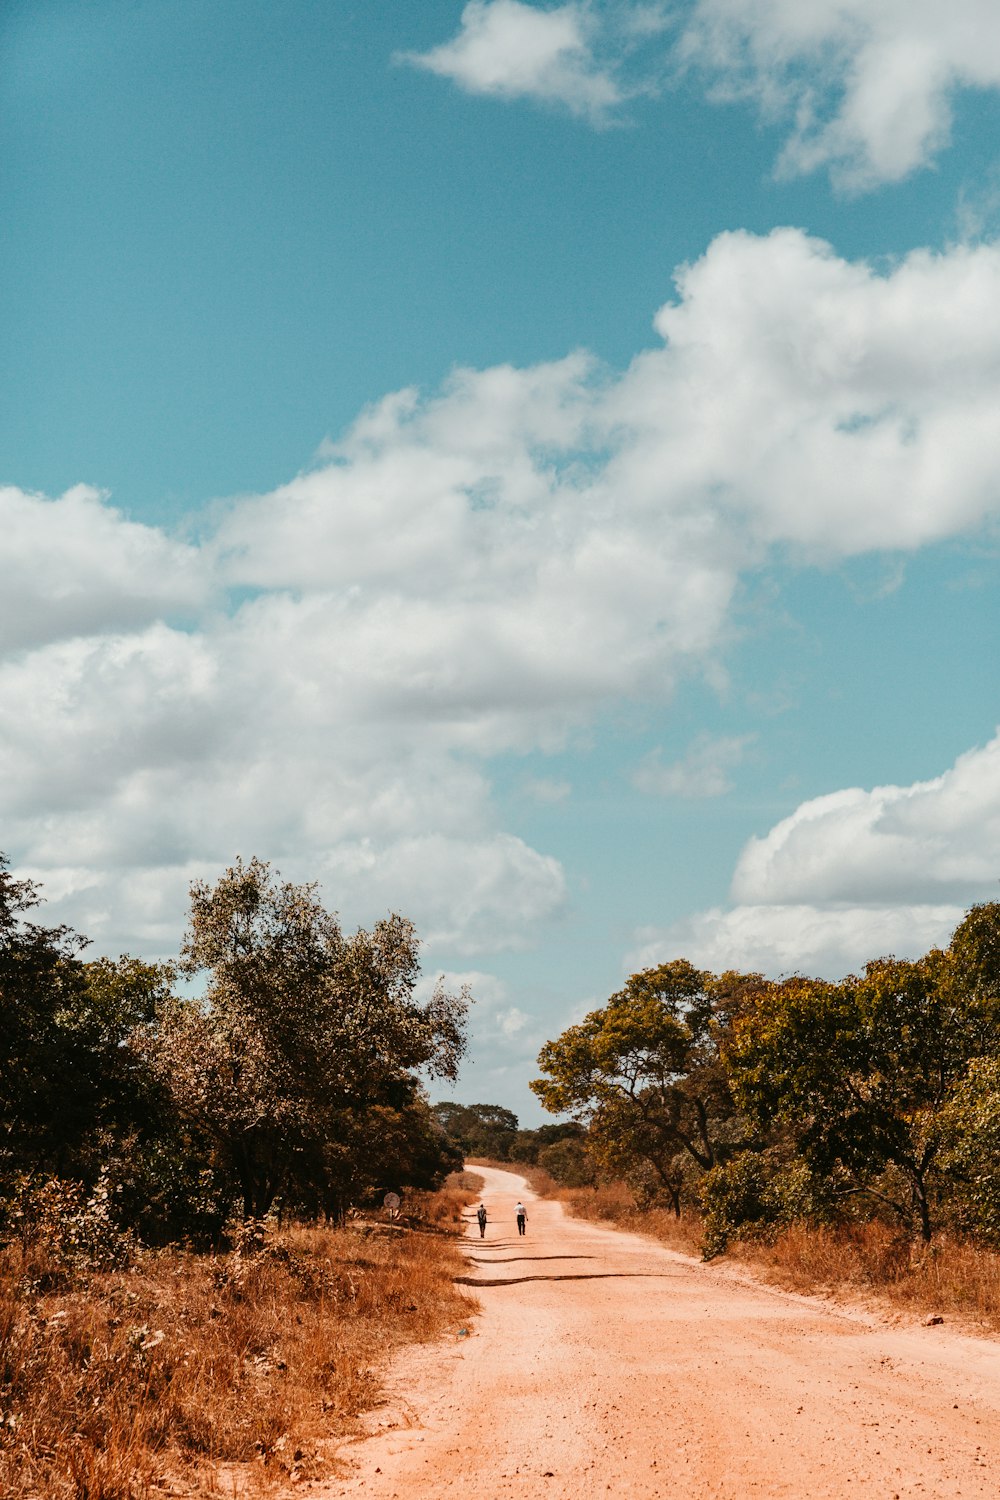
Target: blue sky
(533,466)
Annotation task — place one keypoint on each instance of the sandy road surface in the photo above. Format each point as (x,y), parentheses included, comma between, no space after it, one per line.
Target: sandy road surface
(602,1364)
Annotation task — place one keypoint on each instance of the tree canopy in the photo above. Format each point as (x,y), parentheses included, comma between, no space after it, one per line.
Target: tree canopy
(304,1033)
(769,1100)
(644,1074)
(296,1072)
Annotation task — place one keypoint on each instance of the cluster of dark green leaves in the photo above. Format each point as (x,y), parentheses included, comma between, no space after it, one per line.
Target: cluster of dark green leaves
(769,1101)
(644,1074)
(295,1073)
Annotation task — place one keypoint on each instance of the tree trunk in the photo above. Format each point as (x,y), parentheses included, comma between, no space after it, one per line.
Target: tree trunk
(922,1207)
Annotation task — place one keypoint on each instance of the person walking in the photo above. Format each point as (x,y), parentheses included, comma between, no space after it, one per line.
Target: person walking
(481,1216)
(522,1218)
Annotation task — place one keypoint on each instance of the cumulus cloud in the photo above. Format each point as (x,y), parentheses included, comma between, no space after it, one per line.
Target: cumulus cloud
(704,771)
(933,842)
(487,894)
(866,87)
(513,50)
(76,566)
(797,939)
(324,677)
(854,875)
(545,789)
(867,84)
(505,1040)
(830,406)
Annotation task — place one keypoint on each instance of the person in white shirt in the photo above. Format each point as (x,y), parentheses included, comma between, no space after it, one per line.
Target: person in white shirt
(522,1218)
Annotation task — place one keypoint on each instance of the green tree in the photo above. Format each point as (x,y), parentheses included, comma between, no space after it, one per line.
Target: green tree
(527,1144)
(568,1161)
(970,1151)
(49,1083)
(302,1029)
(73,1080)
(860,1072)
(487,1130)
(644,1074)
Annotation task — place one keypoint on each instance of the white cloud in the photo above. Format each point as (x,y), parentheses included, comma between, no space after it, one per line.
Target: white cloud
(796,939)
(867,84)
(852,876)
(504,1043)
(830,406)
(76,566)
(485,570)
(512,50)
(704,770)
(487,894)
(933,842)
(545,789)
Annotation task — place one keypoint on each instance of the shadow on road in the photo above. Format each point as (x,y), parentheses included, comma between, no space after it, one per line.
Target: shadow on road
(509,1260)
(572,1276)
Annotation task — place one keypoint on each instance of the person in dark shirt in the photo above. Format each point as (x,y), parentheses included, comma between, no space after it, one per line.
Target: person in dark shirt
(481,1216)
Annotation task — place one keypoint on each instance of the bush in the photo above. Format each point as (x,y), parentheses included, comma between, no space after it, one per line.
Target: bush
(970,1128)
(569,1163)
(754,1195)
(74,1229)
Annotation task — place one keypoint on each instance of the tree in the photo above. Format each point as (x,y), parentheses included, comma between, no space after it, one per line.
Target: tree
(300,1032)
(860,1072)
(49,1088)
(970,1151)
(528,1144)
(479,1129)
(569,1162)
(644,1074)
(72,1079)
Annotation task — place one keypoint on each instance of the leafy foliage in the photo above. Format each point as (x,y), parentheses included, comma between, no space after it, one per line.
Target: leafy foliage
(860,1072)
(479,1129)
(569,1162)
(644,1074)
(970,1134)
(305,1041)
(770,1102)
(296,1073)
(757,1193)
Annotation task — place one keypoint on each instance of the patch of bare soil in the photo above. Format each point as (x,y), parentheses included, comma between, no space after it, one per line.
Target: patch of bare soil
(602,1363)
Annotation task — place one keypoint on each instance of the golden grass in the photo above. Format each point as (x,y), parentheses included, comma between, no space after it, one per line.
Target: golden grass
(948,1276)
(153,1381)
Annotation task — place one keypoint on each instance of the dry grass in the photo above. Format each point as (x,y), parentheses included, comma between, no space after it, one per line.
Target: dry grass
(152,1381)
(948,1276)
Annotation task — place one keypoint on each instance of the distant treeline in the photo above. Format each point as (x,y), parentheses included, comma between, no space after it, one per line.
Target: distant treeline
(764,1102)
(129,1107)
(489,1130)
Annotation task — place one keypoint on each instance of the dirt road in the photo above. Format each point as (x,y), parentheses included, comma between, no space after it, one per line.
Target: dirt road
(603,1364)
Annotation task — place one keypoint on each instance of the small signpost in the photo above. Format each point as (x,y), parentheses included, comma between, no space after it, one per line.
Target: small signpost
(392,1202)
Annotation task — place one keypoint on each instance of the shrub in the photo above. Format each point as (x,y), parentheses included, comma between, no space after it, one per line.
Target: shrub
(756,1194)
(569,1163)
(74,1229)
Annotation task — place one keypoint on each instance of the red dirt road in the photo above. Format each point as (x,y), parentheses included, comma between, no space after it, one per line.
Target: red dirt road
(604,1364)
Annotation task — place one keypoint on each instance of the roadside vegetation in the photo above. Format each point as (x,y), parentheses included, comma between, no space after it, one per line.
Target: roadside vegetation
(196,1267)
(954,1276)
(183,1373)
(836,1134)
